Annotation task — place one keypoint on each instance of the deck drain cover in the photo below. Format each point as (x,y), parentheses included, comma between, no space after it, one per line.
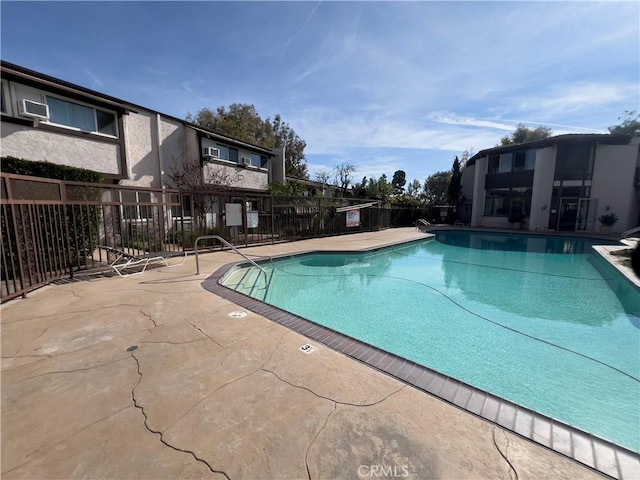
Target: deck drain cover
(306,348)
(238,314)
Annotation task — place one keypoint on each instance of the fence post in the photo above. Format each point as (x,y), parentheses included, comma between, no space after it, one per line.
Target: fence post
(273,227)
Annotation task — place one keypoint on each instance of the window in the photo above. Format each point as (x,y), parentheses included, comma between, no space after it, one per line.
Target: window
(494,163)
(181,210)
(519,161)
(525,160)
(530,162)
(136,212)
(3,105)
(82,117)
(516,162)
(145,210)
(574,161)
(501,202)
(520,201)
(505,162)
(259,161)
(106,122)
(228,153)
(497,202)
(500,163)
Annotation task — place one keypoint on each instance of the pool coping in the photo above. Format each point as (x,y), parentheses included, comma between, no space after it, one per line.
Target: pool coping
(590,450)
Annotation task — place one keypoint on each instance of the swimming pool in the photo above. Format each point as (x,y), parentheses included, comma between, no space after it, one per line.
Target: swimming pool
(538,320)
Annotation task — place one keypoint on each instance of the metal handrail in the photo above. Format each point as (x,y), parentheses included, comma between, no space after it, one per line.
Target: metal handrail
(222,240)
(629,232)
(423,221)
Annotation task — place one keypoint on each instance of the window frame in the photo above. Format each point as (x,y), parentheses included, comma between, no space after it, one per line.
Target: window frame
(5,103)
(185,209)
(95,109)
(137,208)
(498,161)
(519,197)
(491,197)
(258,160)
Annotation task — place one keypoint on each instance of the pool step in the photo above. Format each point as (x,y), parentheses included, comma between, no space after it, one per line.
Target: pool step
(249,281)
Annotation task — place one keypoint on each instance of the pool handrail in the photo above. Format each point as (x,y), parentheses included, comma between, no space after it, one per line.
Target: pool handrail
(223,241)
(422,221)
(630,232)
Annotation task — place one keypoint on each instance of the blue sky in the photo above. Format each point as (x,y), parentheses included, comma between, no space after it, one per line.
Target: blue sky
(384,86)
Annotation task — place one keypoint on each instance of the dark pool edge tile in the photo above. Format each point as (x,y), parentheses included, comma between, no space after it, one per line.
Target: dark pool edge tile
(537,429)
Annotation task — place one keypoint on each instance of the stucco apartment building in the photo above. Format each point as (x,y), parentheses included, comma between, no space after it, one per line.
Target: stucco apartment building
(562,183)
(47,119)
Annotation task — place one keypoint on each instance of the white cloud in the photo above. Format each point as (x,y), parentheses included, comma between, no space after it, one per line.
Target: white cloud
(452,119)
(304,25)
(579,97)
(329,132)
(97,83)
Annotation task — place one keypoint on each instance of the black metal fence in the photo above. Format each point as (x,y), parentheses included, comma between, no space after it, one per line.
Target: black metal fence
(51,229)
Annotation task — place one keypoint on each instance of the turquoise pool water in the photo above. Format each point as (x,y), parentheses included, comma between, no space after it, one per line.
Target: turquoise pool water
(538,320)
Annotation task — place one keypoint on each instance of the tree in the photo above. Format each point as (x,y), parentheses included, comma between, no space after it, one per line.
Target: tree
(188,175)
(413,190)
(435,188)
(285,136)
(399,181)
(288,189)
(454,191)
(373,189)
(242,121)
(524,134)
(323,176)
(383,189)
(630,125)
(359,190)
(343,176)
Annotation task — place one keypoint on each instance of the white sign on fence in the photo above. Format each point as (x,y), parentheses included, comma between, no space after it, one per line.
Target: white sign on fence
(353,218)
(233,214)
(252,219)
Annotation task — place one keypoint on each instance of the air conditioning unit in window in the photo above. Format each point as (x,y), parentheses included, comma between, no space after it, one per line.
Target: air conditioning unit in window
(31,109)
(246,161)
(210,152)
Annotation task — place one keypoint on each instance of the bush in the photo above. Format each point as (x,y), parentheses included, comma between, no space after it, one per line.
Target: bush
(187,238)
(144,245)
(516,217)
(608,219)
(83,220)
(20,166)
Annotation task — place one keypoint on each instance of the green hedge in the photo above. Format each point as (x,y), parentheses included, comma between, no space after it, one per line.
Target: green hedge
(20,166)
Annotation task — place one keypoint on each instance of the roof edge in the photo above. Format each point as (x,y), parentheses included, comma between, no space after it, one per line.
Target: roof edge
(122,105)
(547,142)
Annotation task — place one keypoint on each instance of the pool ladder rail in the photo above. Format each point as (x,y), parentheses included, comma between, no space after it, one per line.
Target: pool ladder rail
(224,242)
(421,223)
(628,233)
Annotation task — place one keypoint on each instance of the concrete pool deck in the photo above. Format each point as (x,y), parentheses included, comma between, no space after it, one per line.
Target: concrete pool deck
(205,395)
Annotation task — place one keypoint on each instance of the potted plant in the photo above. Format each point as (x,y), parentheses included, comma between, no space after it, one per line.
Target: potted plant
(607,221)
(516,218)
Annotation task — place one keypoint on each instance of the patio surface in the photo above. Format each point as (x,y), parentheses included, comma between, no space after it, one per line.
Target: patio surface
(205,395)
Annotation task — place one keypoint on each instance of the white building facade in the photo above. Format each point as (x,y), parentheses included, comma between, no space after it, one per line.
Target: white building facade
(47,119)
(563,183)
